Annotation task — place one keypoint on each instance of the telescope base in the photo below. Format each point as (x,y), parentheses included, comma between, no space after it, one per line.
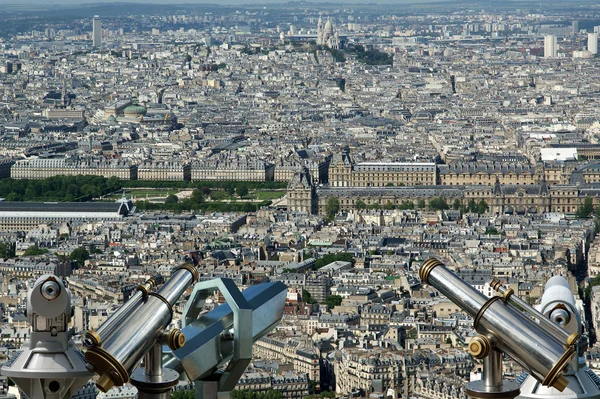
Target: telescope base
(156,386)
(508,390)
(209,389)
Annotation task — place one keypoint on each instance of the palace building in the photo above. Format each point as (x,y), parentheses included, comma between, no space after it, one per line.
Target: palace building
(304,196)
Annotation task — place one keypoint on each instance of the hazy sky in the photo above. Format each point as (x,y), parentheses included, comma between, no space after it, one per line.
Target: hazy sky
(23,4)
(90,2)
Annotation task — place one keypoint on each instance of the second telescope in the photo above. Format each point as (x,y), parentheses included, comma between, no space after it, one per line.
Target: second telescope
(511,332)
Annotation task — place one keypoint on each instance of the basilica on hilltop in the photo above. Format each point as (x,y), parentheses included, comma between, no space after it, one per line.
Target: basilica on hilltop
(326,35)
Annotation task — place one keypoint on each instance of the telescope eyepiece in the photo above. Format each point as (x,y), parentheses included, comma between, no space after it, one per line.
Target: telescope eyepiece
(560,316)
(50,290)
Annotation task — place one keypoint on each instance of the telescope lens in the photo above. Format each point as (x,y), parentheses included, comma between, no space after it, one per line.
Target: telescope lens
(50,290)
(560,317)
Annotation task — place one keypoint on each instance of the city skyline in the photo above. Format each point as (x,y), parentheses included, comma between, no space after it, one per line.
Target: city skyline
(332,151)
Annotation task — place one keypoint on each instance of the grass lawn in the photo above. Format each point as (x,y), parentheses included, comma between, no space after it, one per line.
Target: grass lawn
(268,195)
(139,194)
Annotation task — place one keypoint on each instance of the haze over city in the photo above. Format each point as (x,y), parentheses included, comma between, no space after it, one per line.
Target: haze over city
(349,167)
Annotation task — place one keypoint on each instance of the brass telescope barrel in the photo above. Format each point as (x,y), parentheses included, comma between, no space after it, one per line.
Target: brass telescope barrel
(138,332)
(512,332)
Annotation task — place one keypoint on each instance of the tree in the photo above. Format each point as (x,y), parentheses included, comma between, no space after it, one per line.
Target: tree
(491,230)
(197,197)
(438,204)
(94,250)
(407,205)
(242,190)
(456,205)
(333,300)
(171,199)
(307,297)
(360,205)
(330,258)
(218,195)
(482,207)
(389,205)
(7,250)
(421,204)
(472,206)
(80,255)
(34,250)
(586,209)
(332,207)
(230,189)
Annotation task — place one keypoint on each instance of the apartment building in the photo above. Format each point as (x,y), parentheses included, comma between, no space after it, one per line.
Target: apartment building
(304,359)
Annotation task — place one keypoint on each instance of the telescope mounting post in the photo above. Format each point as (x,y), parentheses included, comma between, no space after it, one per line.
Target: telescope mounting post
(153,381)
(491,385)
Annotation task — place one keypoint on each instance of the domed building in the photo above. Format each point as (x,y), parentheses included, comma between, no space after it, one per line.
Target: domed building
(134,111)
(326,35)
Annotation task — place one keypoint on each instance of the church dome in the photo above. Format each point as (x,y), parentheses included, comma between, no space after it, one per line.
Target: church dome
(329,28)
(134,111)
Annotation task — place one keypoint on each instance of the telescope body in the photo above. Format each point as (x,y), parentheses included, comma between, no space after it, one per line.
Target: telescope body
(510,331)
(111,324)
(558,304)
(210,339)
(138,331)
(49,365)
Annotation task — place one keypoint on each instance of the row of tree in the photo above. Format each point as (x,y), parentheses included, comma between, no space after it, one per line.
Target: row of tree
(58,188)
(225,185)
(85,188)
(370,57)
(332,300)
(78,255)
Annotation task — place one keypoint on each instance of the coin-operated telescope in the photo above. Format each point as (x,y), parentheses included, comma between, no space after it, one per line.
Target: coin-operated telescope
(506,325)
(558,306)
(49,365)
(138,328)
(224,336)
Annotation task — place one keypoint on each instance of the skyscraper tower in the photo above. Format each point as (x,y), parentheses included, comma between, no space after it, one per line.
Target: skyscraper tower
(97,31)
(575,27)
(550,46)
(592,44)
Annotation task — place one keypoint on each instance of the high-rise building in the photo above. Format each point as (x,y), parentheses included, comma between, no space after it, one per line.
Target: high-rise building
(550,46)
(575,27)
(596,29)
(97,31)
(592,45)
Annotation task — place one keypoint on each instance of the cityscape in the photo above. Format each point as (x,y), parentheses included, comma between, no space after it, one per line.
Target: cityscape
(330,147)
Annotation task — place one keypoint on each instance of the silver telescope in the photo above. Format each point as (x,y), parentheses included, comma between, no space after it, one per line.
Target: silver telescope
(216,337)
(504,328)
(110,325)
(49,366)
(136,332)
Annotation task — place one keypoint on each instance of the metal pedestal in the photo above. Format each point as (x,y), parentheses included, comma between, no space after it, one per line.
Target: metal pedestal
(153,381)
(491,385)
